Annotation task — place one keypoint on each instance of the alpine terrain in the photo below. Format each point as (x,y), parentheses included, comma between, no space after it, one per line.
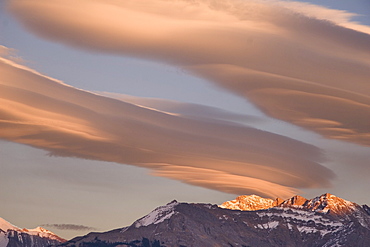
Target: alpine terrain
(12,236)
(325,220)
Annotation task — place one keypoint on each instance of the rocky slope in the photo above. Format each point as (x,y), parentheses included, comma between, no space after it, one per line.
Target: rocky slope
(12,236)
(322,221)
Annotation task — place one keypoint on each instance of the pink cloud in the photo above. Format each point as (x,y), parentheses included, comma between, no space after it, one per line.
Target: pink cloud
(285,57)
(42,112)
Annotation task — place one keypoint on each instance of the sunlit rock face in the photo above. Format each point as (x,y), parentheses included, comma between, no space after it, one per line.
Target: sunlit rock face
(293,222)
(326,203)
(250,203)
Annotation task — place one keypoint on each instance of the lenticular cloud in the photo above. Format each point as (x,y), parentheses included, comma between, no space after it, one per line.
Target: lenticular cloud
(217,154)
(301,63)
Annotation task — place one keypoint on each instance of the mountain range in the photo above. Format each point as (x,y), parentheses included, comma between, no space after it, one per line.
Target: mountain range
(12,236)
(325,220)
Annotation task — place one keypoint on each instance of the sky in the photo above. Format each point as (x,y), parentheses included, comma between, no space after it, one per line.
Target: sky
(112,108)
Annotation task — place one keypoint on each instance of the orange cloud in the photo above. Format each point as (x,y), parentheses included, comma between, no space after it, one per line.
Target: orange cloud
(45,113)
(223,181)
(283,56)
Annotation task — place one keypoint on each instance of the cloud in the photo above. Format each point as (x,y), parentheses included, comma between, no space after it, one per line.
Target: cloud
(225,182)
(71,227)
(186,109)
(45,113)
(301,63)
(10,54)
(339,17)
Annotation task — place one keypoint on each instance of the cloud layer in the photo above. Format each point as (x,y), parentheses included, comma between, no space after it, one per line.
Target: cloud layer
(210,152)
(72,227)
(301,63)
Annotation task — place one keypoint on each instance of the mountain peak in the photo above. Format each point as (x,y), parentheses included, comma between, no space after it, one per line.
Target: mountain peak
(158,215)
(5,226)
(326,203)
(40,230)
(294,201)
(248,203)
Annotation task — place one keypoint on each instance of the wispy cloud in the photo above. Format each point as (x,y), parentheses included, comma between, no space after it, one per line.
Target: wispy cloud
(301,63)
(186,109)
(45,113)
(71,227)
(10,54)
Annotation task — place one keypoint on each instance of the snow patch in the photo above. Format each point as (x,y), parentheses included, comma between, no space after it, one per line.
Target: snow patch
(323,232)
(363,222)
(268,225)
(307,222)
(290,227)
(306,229)
(124,229)
(41,232)
(296,215)
(158,215)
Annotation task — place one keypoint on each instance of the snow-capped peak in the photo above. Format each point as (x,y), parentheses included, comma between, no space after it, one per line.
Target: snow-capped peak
(38,231)
(330,203)
(42,232)
(249,203)
(326,203)
(158,215)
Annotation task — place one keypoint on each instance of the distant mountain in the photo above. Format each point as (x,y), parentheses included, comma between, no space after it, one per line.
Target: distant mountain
(326,220)
(12,236)
(251,203)
(326,203)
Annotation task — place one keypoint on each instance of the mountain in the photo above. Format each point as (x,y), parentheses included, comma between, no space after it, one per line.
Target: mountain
(251,203)
(12,236)
(322,221)
(326,203)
